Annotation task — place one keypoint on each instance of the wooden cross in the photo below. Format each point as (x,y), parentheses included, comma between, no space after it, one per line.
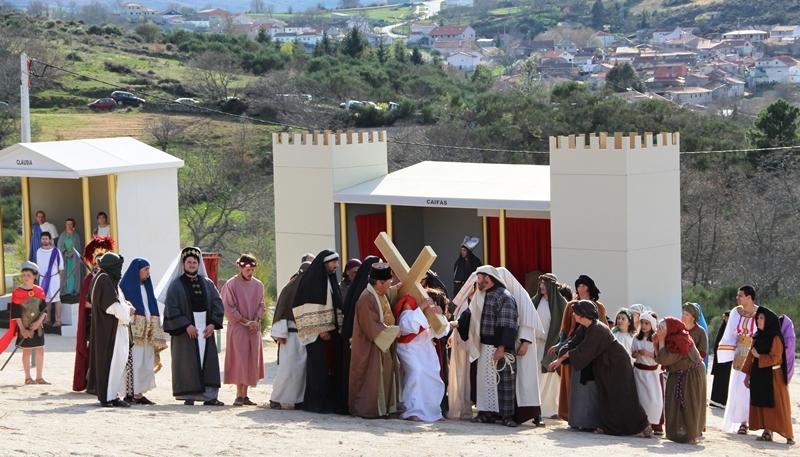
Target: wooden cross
(411,277)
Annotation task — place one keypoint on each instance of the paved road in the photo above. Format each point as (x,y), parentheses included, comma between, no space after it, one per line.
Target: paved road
(434,6)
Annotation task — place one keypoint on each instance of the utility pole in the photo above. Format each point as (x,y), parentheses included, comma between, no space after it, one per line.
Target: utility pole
(24,99)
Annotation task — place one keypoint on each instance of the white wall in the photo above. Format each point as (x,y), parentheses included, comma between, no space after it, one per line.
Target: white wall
(308,170)
(147,217)
(615,215)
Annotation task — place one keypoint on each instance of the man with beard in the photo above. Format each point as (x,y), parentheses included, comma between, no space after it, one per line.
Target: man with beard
(318,314)
(51,265)
(192,311)
(110,341)
(467,263)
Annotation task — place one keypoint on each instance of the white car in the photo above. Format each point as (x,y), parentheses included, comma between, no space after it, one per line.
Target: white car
(187,101)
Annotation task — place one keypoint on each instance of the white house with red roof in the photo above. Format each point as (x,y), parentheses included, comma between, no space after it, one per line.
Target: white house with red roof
(136,11)
(453,32)
(606,38)
(465,60)
(773,70)
(560,56)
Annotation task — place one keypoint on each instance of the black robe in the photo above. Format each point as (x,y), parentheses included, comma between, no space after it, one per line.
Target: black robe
(617,400)
(721,372)
(103,294)
(187,376)
(463,269)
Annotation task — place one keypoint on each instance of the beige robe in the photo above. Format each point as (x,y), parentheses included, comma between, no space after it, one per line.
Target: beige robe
(373,364)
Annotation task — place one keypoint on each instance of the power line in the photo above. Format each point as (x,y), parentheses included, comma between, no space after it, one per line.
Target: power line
(407,143)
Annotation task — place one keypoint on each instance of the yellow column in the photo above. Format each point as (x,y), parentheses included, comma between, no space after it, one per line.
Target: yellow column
(87,211)
(26,215)
(389,225)
(485,240)
(343,233)
(2,257)
(112,208)
(502,230)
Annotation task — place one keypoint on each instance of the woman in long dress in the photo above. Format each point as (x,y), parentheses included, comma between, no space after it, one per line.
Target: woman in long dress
(594,345)
(649,379)
(68,242)
(685,399)
(693,320)
(766,376)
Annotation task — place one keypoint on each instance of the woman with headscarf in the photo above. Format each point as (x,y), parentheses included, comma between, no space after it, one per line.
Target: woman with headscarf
(586,290)
(550,306)
(695,323)
(593,345)
(685,399)
(766,376)
(720,370)
(637,310)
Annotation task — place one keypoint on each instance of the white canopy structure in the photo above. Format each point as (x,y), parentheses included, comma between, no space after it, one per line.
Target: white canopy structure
(135,184)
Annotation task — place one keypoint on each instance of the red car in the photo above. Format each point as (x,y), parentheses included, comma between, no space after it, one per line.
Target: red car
(103,103)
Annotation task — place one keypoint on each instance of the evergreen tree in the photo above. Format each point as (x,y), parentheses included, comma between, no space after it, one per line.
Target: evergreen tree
(623,77)
(644,24)
(325,46)
(416,56)
(263,37)
(353,43)
(598,15)
(400,51)
(776,125)
(383,52)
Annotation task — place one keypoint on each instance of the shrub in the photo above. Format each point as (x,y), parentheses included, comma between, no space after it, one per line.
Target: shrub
(117,67)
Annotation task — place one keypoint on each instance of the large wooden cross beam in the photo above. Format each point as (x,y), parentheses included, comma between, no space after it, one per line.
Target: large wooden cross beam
(411,276)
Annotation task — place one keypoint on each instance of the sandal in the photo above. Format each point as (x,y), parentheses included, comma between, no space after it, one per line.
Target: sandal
(57,324)
(189,402)
(239,401)
(647,432)
(482,418)
(275,405)
(599,431)
(766,436)
(246,401)
(742,430)
(790,442)
(42,381)
(29,381)
(213,402)
(508,422)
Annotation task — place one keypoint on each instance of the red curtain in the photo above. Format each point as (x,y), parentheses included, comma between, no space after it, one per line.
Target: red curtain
(527,245)
(368,226)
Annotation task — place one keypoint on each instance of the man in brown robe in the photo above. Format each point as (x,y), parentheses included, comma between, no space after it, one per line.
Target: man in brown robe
(373,381)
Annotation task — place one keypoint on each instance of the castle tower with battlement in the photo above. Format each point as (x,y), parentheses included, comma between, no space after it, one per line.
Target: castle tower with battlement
(615,216)
(309,168)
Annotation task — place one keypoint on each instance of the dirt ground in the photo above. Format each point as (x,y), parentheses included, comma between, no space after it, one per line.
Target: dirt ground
(54,421)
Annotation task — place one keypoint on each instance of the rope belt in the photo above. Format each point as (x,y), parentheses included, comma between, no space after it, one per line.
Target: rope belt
(508,361)
(679,385)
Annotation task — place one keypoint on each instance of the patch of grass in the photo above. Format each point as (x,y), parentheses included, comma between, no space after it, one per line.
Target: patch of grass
(505,11)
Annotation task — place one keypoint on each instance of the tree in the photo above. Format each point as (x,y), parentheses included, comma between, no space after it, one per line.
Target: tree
(149,31)
(644,24)
(37,8)
(400,51)
(9,125)
(482,77)
(598,14)
(416,56)
(623,77)
(211,73)
(353,43)
(270,9)
(257,6)
(264,37)
(775,126)
(95,12)
(165,129)
(383,52)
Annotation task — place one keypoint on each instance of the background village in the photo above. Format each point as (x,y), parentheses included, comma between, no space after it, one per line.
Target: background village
(675,63)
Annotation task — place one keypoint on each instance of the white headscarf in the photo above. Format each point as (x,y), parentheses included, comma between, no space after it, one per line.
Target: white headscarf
(638,308)
(174,272)
(649,318)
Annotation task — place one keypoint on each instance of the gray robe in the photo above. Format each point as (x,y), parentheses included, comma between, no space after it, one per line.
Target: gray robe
(187,377)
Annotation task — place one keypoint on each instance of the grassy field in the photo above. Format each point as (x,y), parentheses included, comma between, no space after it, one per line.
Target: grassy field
(505,11)
(389,13)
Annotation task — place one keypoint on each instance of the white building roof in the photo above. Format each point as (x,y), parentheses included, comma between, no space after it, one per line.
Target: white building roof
(83,158)
(454,185)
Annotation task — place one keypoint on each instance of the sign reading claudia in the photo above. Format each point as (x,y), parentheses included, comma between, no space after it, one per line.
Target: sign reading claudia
(24,162)
(436,202)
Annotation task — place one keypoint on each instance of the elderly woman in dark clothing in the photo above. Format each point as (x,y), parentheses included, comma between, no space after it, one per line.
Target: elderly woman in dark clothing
(594,346)
(685,399)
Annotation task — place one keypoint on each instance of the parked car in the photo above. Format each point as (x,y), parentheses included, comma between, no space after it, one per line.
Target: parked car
(187,101)
(353,104)
(103,103)
(127,98)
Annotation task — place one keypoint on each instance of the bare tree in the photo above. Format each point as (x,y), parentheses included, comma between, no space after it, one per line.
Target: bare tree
(37,8)
(211,73)
(95,12)
(257,6)
(270,9)
(165,129)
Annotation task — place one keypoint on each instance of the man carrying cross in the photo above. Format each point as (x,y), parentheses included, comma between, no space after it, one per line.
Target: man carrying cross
(373,363)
